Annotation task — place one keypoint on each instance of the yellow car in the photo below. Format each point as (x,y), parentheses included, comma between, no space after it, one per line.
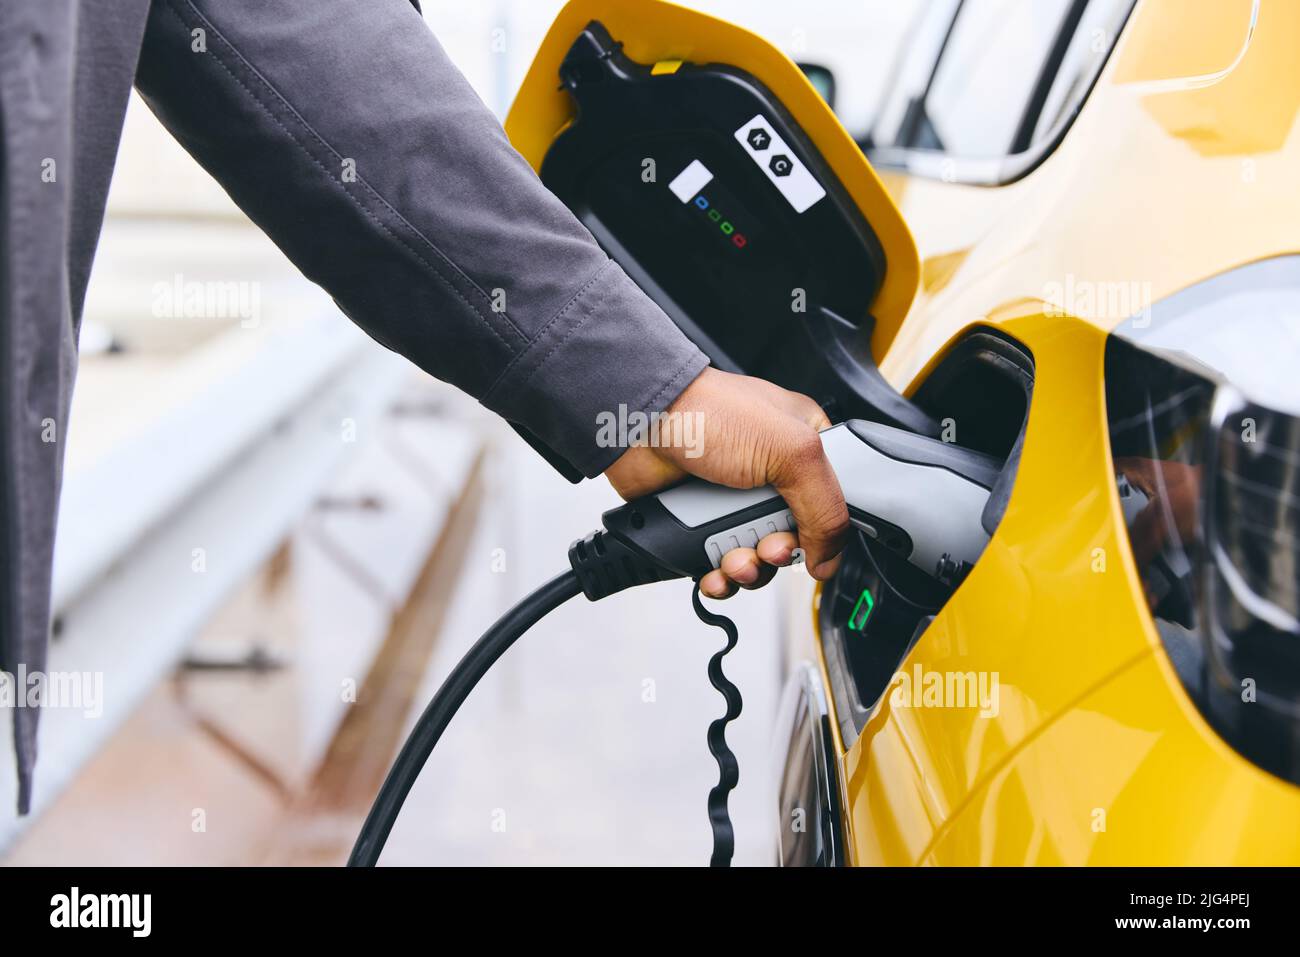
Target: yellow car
(1071,241)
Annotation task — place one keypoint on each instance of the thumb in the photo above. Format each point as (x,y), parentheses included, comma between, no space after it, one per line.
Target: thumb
(808,484)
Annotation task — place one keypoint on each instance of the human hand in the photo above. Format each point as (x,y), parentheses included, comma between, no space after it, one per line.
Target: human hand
(753,433)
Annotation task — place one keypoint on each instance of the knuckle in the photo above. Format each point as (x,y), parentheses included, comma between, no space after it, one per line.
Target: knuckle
(735,562)
(830,521)
(812,412)
(802,449)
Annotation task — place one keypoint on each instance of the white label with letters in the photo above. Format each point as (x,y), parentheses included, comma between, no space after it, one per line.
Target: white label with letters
(778,161)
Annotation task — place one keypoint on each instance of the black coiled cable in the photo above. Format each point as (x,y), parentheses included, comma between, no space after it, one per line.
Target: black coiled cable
(724,838)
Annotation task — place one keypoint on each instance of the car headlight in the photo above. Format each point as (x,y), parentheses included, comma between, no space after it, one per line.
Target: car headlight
(1203,402)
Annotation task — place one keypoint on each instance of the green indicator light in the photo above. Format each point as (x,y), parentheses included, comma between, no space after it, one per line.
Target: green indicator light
(864,599)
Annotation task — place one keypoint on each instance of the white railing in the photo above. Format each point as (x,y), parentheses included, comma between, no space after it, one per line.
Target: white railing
(229,471)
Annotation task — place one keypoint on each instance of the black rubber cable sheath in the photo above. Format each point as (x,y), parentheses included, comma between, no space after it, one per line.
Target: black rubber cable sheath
(424,737)
(724,838)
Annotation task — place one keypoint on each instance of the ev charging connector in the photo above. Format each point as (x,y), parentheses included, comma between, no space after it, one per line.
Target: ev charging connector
(919,497)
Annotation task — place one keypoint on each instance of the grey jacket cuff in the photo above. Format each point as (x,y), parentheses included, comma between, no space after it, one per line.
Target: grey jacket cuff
(610,351)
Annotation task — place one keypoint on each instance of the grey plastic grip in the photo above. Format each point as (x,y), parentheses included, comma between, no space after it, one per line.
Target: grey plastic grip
(747,534)
(700,503)
(938,509)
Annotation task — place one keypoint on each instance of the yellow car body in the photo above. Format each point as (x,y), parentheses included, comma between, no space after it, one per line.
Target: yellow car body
(1180,165)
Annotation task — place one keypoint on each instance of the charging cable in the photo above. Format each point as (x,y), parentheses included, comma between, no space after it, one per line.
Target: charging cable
(724,839)
(424,737)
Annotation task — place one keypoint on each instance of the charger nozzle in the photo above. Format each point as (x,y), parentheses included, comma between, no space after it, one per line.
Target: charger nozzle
(919,497)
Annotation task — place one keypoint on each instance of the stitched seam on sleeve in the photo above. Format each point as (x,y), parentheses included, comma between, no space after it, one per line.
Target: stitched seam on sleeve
(370,214)
(681,371)
(676,377)
(573,300)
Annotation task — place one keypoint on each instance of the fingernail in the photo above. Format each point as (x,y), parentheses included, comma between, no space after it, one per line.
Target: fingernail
(745,575)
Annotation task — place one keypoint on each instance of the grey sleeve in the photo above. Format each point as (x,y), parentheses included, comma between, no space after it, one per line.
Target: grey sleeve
(344,131)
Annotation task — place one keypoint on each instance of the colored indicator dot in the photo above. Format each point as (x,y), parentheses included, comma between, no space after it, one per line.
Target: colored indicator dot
(861,611)
(728,228)
(740,240)
(714,215)
(701,202)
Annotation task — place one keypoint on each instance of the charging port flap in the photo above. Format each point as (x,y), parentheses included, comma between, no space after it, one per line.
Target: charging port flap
(709,168)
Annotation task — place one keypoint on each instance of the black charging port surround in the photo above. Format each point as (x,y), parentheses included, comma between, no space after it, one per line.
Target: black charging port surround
(699,183)
(870,615)
(877,607)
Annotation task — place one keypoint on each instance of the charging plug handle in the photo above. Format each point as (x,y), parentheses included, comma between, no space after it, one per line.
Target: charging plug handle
(920,497)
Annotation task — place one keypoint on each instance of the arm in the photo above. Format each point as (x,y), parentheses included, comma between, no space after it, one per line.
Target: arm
(341,128)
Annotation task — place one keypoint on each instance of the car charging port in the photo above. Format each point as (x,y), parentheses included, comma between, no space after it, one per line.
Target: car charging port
(874,607)
(878,605)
